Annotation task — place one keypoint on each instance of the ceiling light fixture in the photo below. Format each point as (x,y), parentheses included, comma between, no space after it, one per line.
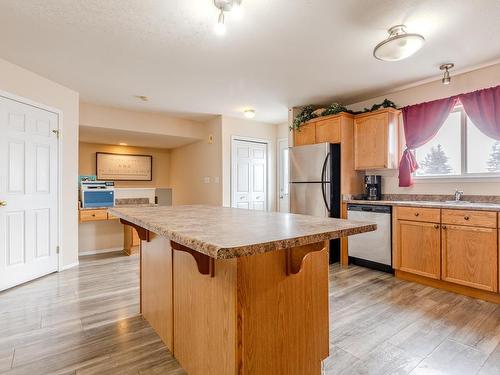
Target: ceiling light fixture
(249,113)
(142,97)
(226,6)
(399,44)
(446,77)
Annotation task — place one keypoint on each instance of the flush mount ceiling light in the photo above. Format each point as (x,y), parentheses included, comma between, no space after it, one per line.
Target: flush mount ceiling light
(226,6)
(446,77)
(249,113)
(142,98)
(399,44)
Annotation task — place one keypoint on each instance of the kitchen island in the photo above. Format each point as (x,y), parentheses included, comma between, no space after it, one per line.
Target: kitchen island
(233,291)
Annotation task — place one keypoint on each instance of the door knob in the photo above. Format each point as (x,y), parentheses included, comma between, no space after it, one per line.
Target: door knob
(3,203)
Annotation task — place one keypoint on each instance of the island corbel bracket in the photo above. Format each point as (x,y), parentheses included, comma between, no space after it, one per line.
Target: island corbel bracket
(206,264)
(295,256)
(143,233)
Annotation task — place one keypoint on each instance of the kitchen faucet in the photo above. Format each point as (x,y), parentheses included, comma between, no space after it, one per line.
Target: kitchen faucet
(458,195)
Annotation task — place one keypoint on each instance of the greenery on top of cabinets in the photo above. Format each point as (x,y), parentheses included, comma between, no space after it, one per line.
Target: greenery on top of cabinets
(309,113)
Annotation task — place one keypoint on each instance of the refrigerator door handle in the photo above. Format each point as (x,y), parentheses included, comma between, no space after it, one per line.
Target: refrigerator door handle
(323,171)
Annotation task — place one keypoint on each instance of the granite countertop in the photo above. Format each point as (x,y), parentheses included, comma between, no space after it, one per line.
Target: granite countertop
(224,233)
(479,206)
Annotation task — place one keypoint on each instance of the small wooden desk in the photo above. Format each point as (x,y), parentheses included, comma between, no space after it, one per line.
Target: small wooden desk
(131,241)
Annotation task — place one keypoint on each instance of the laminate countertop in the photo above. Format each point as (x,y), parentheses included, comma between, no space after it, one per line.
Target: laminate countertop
(432,204)
(224,233)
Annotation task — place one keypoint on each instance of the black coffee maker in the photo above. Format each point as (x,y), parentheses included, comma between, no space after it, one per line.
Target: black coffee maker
(373,187)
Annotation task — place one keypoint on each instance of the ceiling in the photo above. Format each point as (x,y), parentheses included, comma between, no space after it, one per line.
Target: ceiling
(92,134)
(282,53)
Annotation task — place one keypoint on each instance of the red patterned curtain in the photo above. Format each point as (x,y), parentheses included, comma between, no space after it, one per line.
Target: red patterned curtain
(421,123)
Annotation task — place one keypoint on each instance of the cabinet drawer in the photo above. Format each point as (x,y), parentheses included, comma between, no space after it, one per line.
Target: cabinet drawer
(432,215)
(93,215)
(468,217)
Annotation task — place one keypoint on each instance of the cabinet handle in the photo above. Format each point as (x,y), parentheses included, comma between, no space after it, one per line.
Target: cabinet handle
(436,226)
(466,217)
(444,227)
(417,214)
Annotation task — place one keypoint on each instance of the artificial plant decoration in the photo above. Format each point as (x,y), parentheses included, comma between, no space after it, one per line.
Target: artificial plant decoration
(308,112)
(334,109)
(385,104)
(304,116)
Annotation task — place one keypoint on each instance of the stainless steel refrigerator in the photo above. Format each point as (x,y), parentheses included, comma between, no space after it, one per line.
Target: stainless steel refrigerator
(315,184)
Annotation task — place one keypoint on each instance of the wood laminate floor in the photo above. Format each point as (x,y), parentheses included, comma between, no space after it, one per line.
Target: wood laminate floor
(85,321)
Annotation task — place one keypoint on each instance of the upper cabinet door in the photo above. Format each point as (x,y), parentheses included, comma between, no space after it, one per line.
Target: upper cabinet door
(306,135)
(376,140)
(328,131)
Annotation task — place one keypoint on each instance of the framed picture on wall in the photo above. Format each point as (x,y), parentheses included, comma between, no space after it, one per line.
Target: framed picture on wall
(124,167)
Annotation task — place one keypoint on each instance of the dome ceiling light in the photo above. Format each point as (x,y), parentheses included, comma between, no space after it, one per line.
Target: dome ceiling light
(249,113)
(225,6)
(399,44)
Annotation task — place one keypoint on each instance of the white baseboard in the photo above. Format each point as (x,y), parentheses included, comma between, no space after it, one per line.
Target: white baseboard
(68,266)
(100,251)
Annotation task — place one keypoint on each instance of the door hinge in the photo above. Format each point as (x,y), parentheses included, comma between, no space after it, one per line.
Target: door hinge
(57,249)
(56,132)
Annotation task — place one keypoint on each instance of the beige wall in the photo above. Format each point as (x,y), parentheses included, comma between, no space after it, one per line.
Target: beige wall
(190,164)
(161,162)
(251,129)
(147,122)
(21,82)
(475,80)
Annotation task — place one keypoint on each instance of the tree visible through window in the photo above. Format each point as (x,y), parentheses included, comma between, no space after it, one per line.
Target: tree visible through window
(494,160)
(436,162)
(459,149)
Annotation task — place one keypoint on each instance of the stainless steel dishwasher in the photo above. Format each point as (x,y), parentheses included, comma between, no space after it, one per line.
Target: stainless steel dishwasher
(372,249)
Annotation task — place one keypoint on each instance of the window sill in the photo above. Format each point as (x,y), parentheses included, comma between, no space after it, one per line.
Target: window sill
(443,179)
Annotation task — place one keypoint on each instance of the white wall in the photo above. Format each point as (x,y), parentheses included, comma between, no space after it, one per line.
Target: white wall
(471,81)
(190,164)
(146,122)
(21,82)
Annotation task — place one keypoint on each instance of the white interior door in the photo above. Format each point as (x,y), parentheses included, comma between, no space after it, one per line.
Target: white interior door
(283,170)
(249,175)
(28,192)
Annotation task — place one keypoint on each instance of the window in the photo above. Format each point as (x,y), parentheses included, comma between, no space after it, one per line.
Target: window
(459,149)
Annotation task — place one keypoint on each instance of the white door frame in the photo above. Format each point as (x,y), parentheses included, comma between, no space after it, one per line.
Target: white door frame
(59,114)
(278,171)
(266,142)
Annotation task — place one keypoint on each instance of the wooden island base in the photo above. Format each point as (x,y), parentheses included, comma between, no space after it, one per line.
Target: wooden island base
(259,314)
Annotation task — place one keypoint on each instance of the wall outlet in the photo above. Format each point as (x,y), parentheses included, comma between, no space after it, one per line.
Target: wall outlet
(216,180)
(206,180)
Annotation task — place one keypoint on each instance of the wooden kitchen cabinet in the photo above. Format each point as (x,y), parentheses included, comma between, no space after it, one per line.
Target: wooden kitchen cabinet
(376,139)
(306,135)
(418,246)
(470,256)
(328,130)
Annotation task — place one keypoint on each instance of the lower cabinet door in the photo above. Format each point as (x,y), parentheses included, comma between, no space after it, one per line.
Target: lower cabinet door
(418,247)
(470,256)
